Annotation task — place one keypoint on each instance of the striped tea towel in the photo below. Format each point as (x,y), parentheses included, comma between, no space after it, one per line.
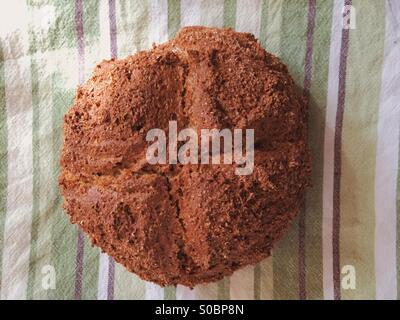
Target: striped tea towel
(345,53)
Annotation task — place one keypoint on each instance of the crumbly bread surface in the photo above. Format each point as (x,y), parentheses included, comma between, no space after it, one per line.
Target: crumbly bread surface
(185,224)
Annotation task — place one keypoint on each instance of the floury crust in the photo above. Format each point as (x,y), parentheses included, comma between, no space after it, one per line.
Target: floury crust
(185,224)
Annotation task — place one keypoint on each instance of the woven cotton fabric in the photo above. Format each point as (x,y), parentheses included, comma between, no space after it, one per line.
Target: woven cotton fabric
(343,53)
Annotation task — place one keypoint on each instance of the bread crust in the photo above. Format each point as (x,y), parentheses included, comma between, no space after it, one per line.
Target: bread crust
(185,224)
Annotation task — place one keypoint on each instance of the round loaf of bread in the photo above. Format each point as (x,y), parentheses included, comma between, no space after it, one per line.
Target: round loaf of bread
(185,223)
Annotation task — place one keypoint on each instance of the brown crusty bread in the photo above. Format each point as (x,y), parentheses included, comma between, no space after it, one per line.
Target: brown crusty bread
(185,224)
